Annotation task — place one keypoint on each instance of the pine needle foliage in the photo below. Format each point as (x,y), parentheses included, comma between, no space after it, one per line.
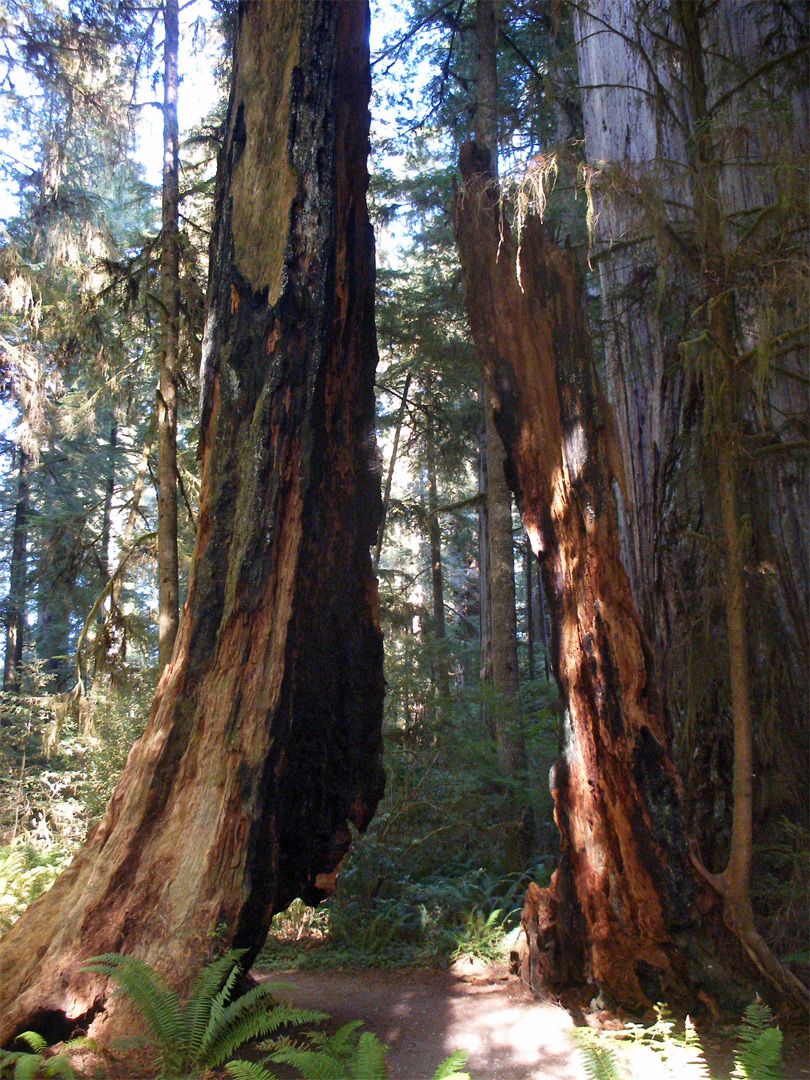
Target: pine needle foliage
(204,1031)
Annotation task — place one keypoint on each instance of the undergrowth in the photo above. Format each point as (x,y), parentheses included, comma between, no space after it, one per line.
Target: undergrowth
(668,1052)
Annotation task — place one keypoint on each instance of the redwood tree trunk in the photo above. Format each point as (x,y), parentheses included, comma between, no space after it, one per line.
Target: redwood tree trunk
(623,888)
(264,740)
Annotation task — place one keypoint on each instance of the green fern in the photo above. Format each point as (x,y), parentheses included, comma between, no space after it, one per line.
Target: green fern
(758,1055)
(348,1054)
(204,1031)
(249,1070)
(451,1067)
(27,1065)
(601,1062)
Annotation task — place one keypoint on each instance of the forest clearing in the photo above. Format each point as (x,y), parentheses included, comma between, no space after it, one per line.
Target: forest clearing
(406,539)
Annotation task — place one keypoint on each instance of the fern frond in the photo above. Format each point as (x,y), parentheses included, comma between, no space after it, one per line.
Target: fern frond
(33,1040)
(59,1066)
(249,1070)
(450,1068)
(240,1025)
(760,1058)
(342,1042)
(600,1061)
(312,1064)
(207,986)
(368,1059)
(157,1002)
(27,1066)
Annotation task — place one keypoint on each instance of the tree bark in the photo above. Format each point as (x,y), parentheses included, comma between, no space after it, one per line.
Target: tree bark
(168,572)
(651,246)
(264,740)
(15,605)
(623,889)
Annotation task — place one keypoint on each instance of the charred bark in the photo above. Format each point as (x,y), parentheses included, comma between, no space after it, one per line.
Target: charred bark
(623,890)
(263,745)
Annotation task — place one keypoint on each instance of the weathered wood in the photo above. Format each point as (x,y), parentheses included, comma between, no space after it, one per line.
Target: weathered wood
(624,887)
(263,746)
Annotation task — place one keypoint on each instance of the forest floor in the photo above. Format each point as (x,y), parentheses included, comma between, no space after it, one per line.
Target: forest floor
(424,1015)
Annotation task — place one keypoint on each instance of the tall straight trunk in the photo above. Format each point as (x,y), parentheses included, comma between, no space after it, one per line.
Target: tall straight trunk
(505,681)
(434,530)
(102,646)
(403,406)
(485,603)
(168,574)
(134,504)
(109,492)
(623,889)
(505,676)
(264,741)
(543,628)
(15,605)
(528,563)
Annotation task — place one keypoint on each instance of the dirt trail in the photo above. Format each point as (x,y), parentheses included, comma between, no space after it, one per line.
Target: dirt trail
(425,1015)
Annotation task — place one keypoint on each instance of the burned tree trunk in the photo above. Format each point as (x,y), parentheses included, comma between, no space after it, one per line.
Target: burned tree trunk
(622,891)
(264,743)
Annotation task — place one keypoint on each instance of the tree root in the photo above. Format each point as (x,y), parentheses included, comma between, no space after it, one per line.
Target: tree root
(738,917)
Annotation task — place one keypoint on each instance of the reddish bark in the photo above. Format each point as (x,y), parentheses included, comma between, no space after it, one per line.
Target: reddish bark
(264,742)
(623,889)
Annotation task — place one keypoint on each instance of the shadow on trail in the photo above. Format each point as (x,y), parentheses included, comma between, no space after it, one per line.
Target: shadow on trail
(425,1015)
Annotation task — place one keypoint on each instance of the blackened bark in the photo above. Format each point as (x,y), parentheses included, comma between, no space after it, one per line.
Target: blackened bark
(15,605)
(264,742)
(623,889)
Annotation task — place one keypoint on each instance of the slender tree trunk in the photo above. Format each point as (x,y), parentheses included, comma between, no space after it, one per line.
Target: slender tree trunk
(528,562)
(15,605)
(543,629)
(485,600)
(264,741)
(623,889)
(168,574)
(391,465)
(134,505)
(505,678)
(434,530)
(109,492)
